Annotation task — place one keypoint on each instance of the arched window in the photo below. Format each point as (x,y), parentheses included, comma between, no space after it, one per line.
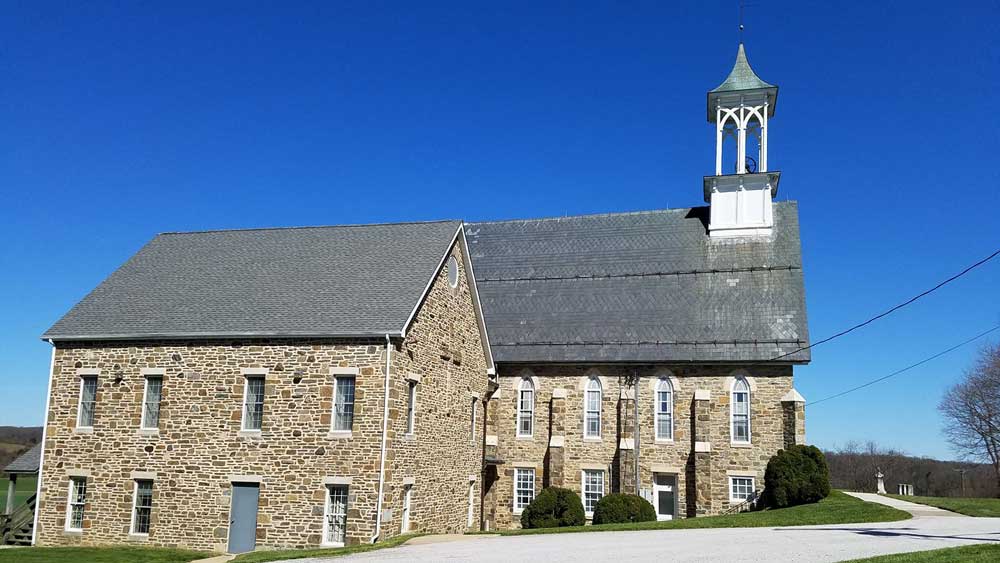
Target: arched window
(664,410)
(525,407)
(740,409)
(592,409)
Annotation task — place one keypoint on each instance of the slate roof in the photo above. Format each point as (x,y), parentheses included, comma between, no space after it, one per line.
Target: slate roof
(28,461)
(640,287)
(312,281)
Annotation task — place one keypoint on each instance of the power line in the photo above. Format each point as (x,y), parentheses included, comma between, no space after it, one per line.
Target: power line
(896,308)
(907,368)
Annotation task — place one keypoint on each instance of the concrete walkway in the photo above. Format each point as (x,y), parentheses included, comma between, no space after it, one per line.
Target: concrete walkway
(917,510)
(927,530)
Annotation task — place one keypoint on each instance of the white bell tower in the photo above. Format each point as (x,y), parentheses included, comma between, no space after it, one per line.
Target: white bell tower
(740,193)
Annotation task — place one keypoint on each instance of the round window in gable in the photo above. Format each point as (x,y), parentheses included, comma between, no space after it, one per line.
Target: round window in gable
(453,272)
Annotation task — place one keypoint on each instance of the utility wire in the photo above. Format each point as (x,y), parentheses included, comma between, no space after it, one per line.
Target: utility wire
(907,368)
(896,308)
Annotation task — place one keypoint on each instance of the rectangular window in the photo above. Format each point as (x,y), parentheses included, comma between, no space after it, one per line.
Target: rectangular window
(335,524)
(88,399)
(142,506)
(664,414)
(740,488)
(151,402)
(592,422)
(524,487)
(593,488)
(411,407)
(76,503)
(405,517)
(343,404)
(525,410)
(741,420)
(472,423)
(253,402)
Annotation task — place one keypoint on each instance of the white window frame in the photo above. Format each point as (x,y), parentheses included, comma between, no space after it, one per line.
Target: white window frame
(472,424)
(84,378)
(246,397)
(526,385)
(753,487)
(452,272)
(584,491)
(663,385)
(404,515)
(144,424)
(518,471)
(737,382)
(135,506)
(71,502)
(328,507)
(411,407)
(338,380)
(587,412)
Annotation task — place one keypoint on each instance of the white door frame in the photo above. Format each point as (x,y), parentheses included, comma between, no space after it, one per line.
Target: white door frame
(656,495)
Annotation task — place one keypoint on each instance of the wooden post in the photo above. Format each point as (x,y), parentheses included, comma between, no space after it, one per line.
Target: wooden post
(11,487)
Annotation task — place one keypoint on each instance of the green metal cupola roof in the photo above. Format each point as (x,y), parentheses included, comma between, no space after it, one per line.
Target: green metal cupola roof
(742,82)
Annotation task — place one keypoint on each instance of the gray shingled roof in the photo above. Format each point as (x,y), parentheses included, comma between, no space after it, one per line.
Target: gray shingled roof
(313,281)
(643,287)
(28,461)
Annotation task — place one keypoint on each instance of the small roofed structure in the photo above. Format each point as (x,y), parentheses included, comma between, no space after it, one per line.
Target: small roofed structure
(16,522)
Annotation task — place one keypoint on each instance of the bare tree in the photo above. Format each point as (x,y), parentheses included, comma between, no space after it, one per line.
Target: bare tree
(971,411)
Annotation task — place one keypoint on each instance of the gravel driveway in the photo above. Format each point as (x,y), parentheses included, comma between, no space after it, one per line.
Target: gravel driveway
(800,543)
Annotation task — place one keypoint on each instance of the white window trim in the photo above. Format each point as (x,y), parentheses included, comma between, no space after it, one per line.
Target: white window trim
(327,505)
(656,409)
(472,427)
(337,376)
(405,513)
(84,376)
(135,501)
(411,408)
(534,488)
(452,266)
(583,488)
(143,423)
(517,419)
(753,486)
(600,408)
(732,412)
(246,390)
(69,503)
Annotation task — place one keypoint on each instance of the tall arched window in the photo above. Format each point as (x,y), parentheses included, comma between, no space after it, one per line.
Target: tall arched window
(740,408)
(592,409)
(525,408)
(664,410)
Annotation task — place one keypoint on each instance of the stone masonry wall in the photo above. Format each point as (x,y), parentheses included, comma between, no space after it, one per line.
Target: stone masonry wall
(199,445)
(768,385)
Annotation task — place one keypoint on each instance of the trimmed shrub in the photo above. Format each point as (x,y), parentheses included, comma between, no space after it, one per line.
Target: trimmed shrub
(797,475)
(554,507)
(616,508)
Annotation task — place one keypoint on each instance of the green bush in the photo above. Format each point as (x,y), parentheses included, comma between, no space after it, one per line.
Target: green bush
(554,507)
(797,475)
(618,507)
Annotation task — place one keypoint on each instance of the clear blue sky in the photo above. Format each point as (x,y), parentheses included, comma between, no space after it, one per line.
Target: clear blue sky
(121,122)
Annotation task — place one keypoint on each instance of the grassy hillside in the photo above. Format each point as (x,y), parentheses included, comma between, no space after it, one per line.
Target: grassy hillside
(25,488)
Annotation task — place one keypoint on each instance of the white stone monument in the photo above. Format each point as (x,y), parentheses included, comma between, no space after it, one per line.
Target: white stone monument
(881,483)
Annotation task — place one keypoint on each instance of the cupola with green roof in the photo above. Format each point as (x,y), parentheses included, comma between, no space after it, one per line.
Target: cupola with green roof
(740,197)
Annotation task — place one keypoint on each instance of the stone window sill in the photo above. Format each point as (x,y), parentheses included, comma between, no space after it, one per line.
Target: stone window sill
(331,544)
(340,435)
(525,438)
(83,430)
(148,432)
(250,434)
(592,440)
(741,444)
(72,532)
(409,437)
(138,537)
(664,441)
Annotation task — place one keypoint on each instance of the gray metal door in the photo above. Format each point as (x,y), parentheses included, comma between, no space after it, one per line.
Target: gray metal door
(243,517)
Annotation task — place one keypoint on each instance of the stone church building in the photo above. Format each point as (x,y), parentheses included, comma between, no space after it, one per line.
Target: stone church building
(323,386)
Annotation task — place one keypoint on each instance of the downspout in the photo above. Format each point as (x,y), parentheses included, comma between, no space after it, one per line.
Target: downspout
(41,456)
(385,434)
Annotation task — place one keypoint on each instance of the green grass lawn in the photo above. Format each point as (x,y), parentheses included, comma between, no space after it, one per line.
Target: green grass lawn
(259,556)
(982,507)
(966,554)
(25,488)
(98,555)
(837,508)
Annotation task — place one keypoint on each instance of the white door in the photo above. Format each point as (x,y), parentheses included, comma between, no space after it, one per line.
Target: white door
(407,494)
(663,495)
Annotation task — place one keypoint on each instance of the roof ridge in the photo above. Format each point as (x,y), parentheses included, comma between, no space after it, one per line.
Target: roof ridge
(303,227)
(588,215)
